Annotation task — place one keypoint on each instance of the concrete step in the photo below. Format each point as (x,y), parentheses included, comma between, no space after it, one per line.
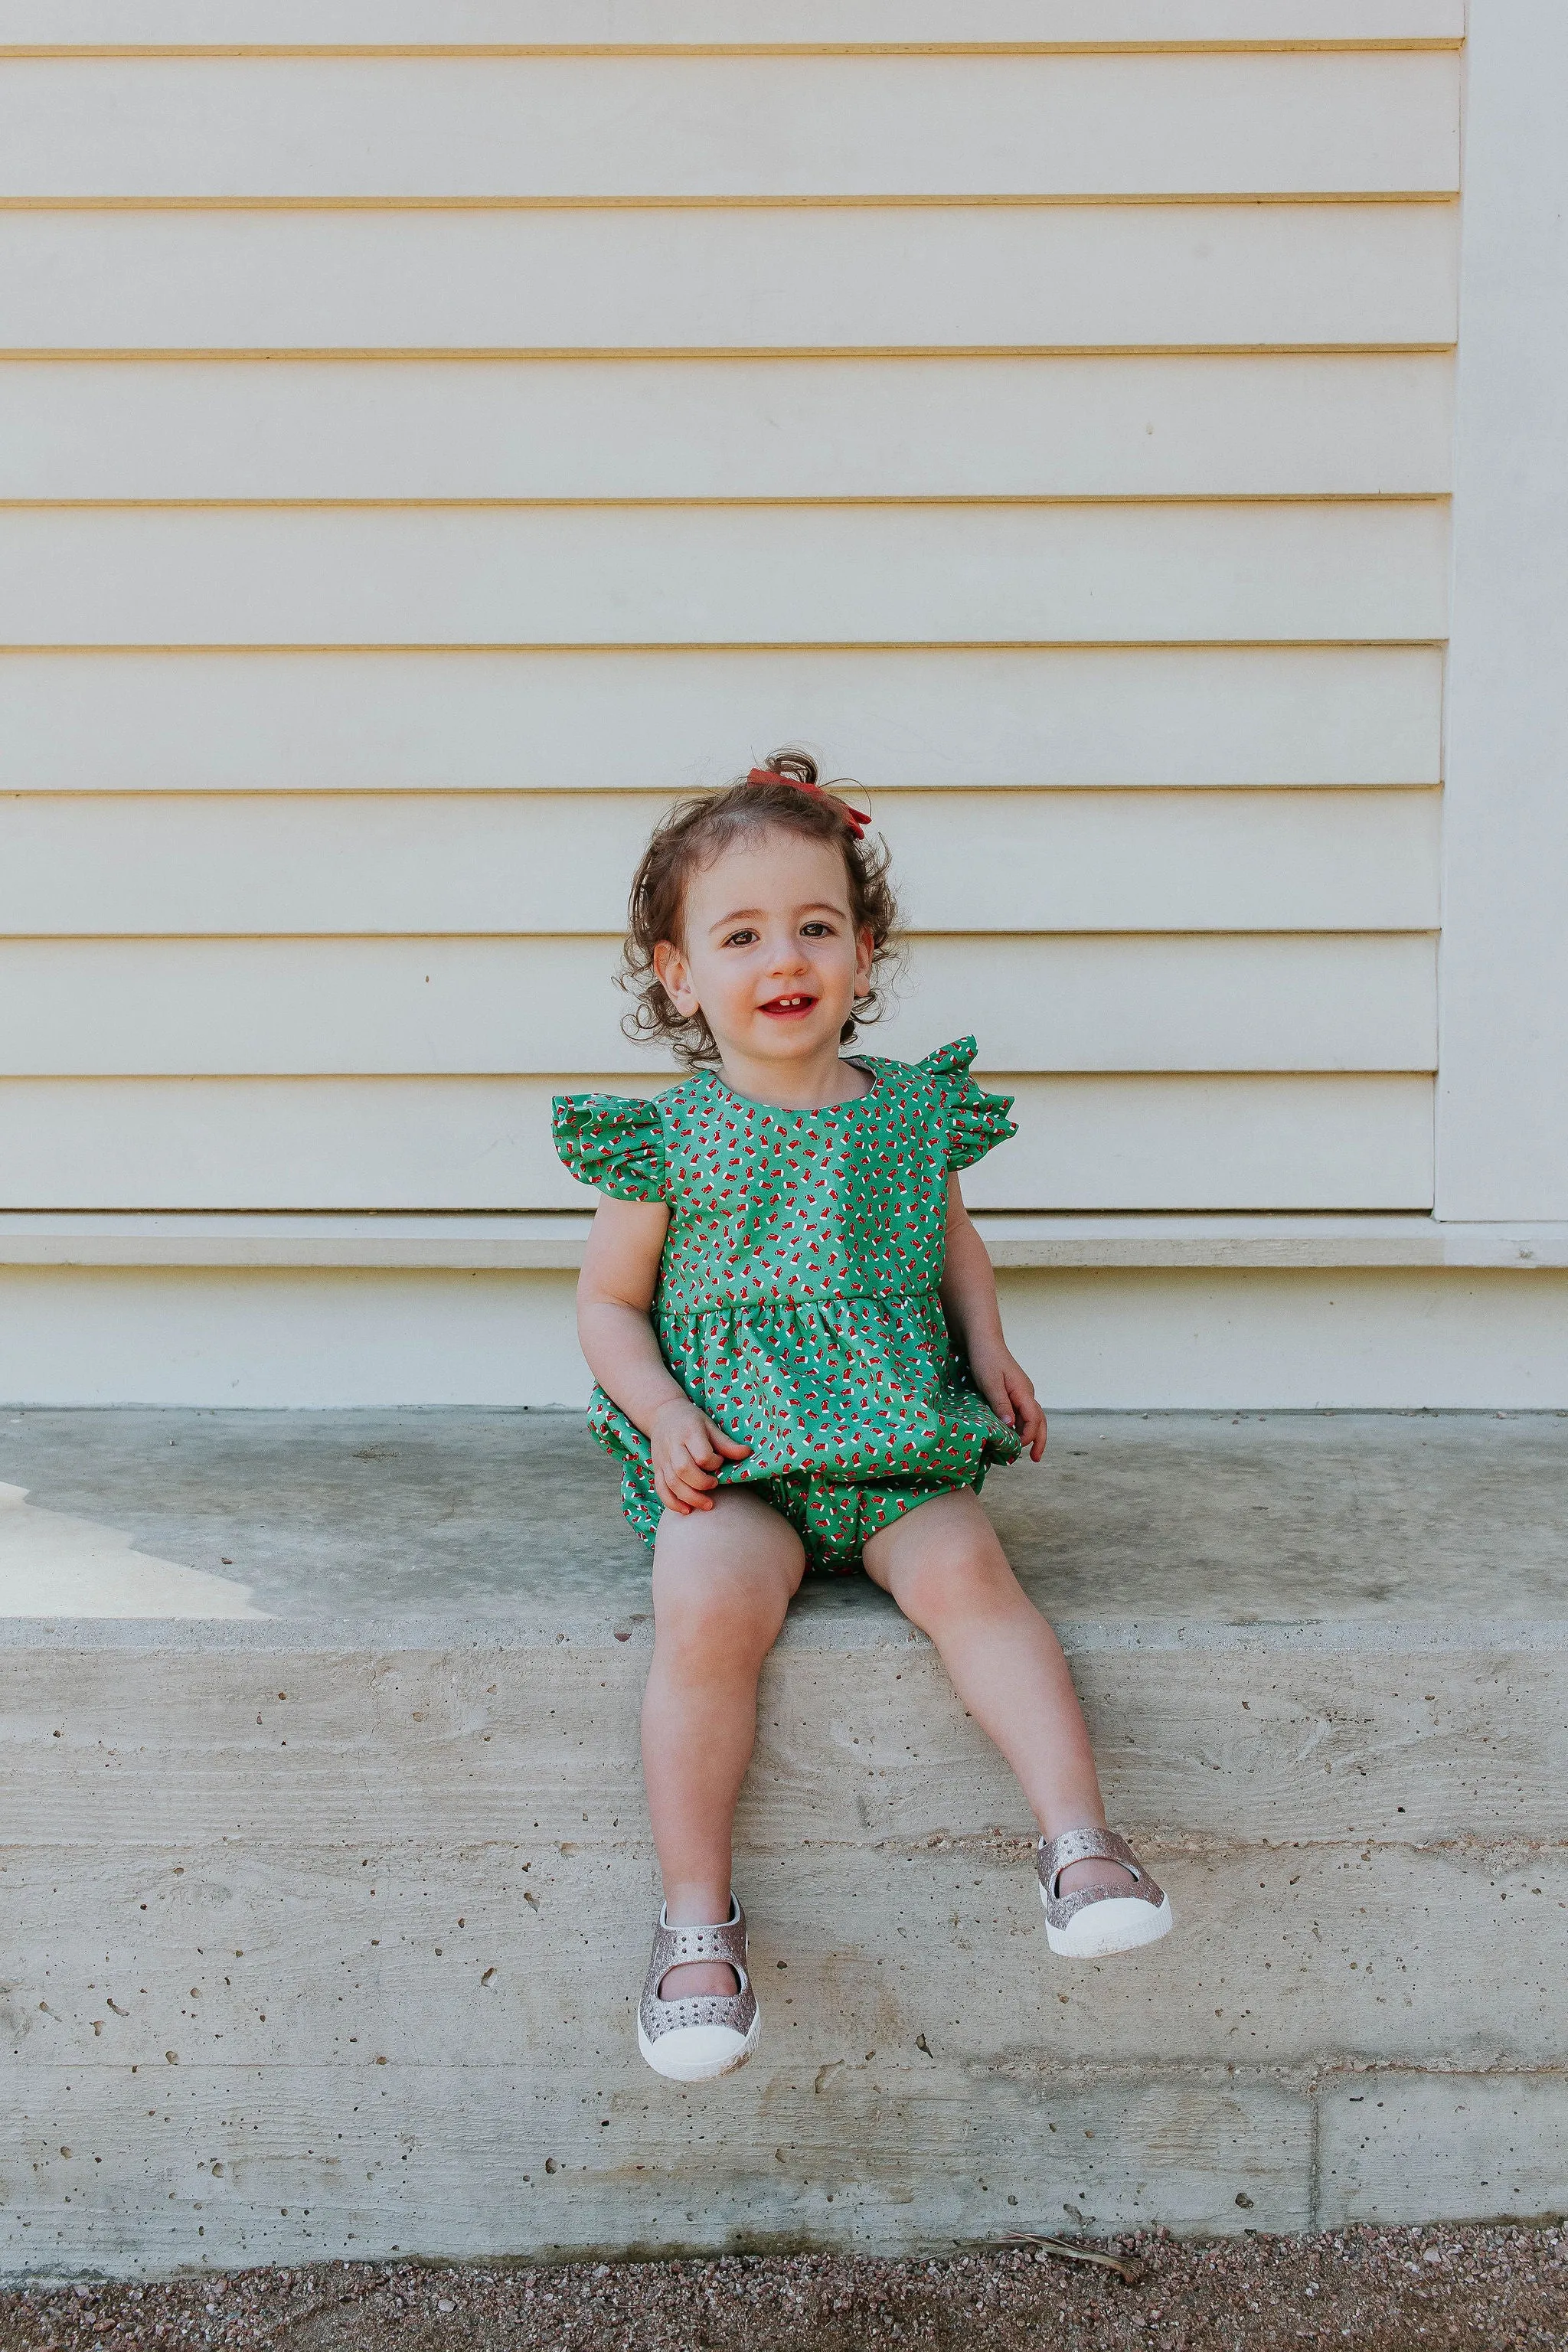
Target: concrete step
(327,1922)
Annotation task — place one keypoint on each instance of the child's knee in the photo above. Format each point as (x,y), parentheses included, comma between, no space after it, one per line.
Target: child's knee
(705,1606)
(970,1579)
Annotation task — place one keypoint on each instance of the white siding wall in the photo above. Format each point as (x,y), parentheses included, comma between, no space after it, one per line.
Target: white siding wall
(862,432)
(431,434)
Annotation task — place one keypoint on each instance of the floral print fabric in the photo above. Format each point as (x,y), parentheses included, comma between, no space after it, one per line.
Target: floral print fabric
(798,1293)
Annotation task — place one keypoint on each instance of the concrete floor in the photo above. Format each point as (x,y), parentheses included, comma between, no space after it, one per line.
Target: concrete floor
(498,1516)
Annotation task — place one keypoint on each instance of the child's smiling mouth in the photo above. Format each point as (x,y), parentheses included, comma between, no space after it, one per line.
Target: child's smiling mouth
(787,1008)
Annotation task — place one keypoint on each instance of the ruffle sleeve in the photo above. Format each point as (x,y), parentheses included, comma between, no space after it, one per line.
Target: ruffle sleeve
(613,1143)
(977,1121)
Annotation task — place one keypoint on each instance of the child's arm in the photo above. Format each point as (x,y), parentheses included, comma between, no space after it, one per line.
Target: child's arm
(969,1299)
(620,1273)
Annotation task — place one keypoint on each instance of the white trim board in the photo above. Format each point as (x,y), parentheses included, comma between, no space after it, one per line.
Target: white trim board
(1502,1110)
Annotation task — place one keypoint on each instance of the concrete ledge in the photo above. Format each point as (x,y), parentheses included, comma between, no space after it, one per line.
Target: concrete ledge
(326,1927)
(1254,1742)
(553,1243)
(351,1971)
(1419,2148)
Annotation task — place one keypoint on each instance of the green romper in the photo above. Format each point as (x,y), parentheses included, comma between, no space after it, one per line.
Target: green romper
(797,1300)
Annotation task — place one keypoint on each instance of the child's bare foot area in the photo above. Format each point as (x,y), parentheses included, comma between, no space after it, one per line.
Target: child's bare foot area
(694,1979)
(1099,1875)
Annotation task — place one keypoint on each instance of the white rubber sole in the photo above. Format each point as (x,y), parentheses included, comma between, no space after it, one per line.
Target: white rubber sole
(1120,1923)
(698,2053)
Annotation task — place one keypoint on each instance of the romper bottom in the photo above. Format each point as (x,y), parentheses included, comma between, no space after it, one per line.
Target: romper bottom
(835,1518)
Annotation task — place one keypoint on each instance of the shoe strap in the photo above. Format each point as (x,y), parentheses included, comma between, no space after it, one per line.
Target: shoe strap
(726,1941)
(1084,1845)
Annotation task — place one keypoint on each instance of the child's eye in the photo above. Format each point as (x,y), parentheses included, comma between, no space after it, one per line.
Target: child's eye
(816,931)
(739,938)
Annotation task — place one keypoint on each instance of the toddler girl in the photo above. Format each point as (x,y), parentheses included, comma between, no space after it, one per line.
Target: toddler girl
(800,1363)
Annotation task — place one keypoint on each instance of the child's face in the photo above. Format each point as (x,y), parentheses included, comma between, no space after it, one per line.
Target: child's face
(770,953)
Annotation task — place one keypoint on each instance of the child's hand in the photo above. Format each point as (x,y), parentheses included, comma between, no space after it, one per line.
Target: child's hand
(1010,1392)
(689,1451)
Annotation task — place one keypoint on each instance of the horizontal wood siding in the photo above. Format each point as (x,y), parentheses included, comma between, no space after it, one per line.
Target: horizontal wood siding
(946,718)
(414,469)
(655,128)
(368,863)
(748,574)
(1175,1001)
(1178,1141)
(1182,428)
(984,277)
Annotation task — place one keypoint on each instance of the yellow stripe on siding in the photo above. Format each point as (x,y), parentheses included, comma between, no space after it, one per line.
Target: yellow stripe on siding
(901,201)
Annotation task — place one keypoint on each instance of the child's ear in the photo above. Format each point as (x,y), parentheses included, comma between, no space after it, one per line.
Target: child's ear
(865,950)
(669,970)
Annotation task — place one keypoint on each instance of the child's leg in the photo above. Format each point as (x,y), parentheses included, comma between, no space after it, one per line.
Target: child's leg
(947,1571)
(722,1583)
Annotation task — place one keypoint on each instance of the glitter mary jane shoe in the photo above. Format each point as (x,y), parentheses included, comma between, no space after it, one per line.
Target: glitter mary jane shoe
(707,2034)
(1096,1921)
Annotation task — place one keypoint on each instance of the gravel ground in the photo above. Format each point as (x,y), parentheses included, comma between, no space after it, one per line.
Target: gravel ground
(1378,2290)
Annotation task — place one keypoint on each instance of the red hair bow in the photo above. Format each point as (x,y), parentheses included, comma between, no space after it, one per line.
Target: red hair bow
(855,822)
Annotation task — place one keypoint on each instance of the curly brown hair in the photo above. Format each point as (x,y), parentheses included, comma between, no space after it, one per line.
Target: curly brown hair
(699,830)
